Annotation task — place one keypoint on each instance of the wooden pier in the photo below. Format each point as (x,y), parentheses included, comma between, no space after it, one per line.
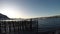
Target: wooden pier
(17,27)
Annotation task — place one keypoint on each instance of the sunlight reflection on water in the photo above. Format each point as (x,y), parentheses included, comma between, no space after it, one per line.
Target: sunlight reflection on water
(11,20)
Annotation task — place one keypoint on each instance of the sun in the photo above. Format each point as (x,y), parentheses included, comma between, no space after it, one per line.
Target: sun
(10,11)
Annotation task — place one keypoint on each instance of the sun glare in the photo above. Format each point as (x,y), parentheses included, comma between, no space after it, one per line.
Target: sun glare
(10,11)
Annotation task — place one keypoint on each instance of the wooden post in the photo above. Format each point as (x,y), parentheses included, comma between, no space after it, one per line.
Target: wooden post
(0,27)
(31,24)
(37,26)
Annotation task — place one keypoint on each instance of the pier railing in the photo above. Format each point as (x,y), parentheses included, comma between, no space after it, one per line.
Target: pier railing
(17,27)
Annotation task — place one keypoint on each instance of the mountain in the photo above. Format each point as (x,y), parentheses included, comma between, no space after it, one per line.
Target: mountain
(3,17)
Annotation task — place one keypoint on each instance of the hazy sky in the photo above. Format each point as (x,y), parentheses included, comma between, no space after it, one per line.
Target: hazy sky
(29,8)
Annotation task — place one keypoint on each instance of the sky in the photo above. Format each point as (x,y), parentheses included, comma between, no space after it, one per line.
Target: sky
(29,8)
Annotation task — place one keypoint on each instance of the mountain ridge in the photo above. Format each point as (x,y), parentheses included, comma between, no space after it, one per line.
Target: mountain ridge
(3,17)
